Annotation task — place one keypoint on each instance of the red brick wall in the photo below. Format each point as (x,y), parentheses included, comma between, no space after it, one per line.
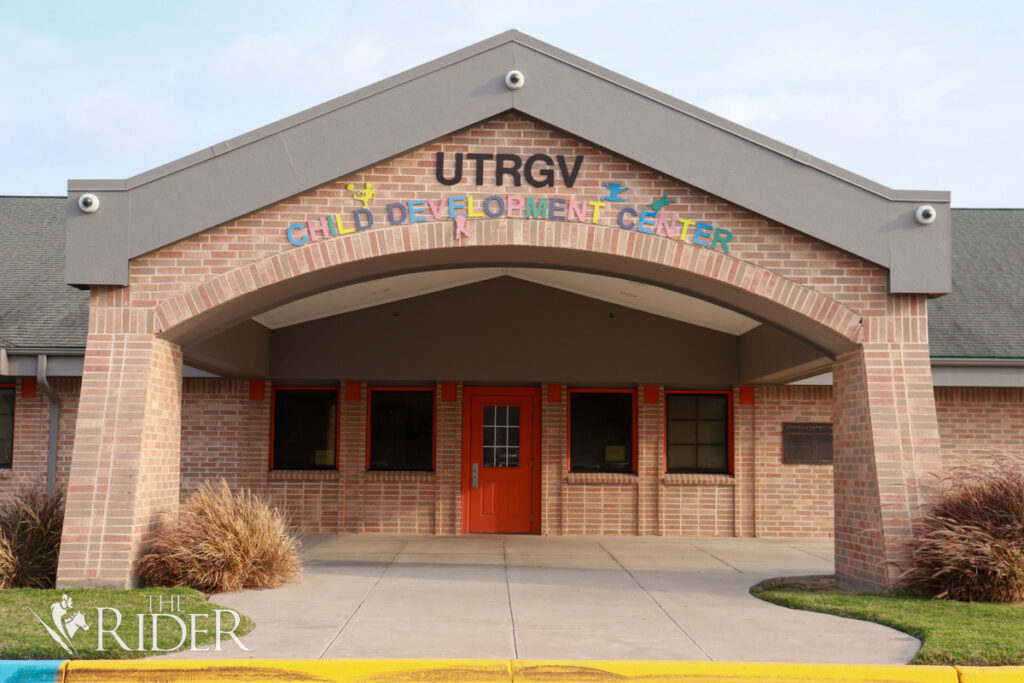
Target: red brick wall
(32,434)
(791,500)
(979,420)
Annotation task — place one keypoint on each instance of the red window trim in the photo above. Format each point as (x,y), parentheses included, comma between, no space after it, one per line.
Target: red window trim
(729,427)
(568,424)
(14,417)
(337,420)
(433,424)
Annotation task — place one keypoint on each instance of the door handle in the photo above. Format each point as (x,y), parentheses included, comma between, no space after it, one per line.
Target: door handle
(476,475)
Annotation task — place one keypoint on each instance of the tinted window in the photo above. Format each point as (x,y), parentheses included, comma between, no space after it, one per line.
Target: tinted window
(305,429)
(401,430)
(6,426)
(601,432)
(697,428)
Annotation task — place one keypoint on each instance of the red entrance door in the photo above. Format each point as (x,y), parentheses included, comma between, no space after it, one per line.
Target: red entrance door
(500,463)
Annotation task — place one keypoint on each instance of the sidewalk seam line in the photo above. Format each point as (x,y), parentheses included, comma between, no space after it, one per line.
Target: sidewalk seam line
(716,557)
(655,601)
(366,597)
(508,593)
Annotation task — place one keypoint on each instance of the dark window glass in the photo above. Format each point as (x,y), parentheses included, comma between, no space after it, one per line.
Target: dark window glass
(601,432)
(698,433)
(6,426)
(305,429)
(401,430)
(807,443)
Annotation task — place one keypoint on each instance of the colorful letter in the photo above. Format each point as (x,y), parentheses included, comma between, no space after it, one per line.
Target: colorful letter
(487,204)
(290,232)
(702,234)
(456,204)
(723,237)
(415,209)
(396,213)
(536,208)
(515,202)
(665,227)
(597,210)
(318,226)
(646,218)
(687,224)
(622,221)
(435,208)
(365,215)
(470,212)
(576,211)
(556,206)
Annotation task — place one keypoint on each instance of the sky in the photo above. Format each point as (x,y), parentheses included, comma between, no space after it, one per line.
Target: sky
(913,95)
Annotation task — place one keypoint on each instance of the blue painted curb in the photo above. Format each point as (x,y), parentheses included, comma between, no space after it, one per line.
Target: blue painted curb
(29,670)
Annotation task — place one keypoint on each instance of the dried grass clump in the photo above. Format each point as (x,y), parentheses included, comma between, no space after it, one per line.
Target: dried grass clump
(222,541)
(31,522)
(970,544)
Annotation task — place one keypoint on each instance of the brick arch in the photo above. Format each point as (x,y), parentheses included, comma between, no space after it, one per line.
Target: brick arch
(237,294)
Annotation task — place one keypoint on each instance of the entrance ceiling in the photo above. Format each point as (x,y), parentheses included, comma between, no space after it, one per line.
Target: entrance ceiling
(636,295)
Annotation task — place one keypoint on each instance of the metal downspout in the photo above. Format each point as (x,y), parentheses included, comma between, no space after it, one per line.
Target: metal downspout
(51,455)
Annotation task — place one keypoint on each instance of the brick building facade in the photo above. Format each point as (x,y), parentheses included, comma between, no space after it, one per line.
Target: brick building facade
(505,310)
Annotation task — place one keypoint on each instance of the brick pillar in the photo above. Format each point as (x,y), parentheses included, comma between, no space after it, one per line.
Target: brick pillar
(448,462)
(126,459)
(554,464)
(743,465)
(650,456)
(886,443)
(353,455)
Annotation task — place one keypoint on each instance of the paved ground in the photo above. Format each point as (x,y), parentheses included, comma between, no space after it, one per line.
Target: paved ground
(532,597)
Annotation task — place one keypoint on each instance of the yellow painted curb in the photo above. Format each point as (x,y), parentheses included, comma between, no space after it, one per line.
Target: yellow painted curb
(287,670)
(991,674)
(724,672)
(507,671)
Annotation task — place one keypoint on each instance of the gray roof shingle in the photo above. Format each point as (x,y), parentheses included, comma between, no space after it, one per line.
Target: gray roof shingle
(984,316)
(36,308)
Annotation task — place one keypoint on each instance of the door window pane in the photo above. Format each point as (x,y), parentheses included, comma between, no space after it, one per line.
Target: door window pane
(305,429)
(601,428)
(402,429)
(501,436)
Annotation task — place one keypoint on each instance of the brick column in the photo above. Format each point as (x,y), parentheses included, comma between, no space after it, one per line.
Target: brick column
(448,462)
(650,456)
(554,457)
(126,459)
(886,443)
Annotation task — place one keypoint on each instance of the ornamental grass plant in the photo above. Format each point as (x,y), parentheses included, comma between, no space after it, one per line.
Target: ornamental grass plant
(31,522)
(969,545)
(219,541)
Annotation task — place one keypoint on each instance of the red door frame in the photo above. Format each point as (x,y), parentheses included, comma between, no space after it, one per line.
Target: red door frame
(534,394)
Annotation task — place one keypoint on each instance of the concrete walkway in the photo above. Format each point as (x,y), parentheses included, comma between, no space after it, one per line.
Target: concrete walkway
(531,597)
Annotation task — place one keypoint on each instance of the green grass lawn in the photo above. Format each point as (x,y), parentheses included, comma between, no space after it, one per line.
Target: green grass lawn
(965,633)
(23,637)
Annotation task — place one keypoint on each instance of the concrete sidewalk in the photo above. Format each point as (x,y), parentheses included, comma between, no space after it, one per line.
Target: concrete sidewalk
(531,597)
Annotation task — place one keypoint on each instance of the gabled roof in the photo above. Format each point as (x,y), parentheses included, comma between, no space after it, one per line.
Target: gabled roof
(258,169)
(984,316)
(37,310)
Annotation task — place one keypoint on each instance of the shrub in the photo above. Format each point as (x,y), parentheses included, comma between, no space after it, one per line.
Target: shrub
(31,522)
(970,544)
(222,541)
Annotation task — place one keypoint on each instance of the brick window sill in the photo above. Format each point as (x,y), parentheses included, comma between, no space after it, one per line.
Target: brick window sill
(398,475)
(303,475)
(687,479)
(601,478)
